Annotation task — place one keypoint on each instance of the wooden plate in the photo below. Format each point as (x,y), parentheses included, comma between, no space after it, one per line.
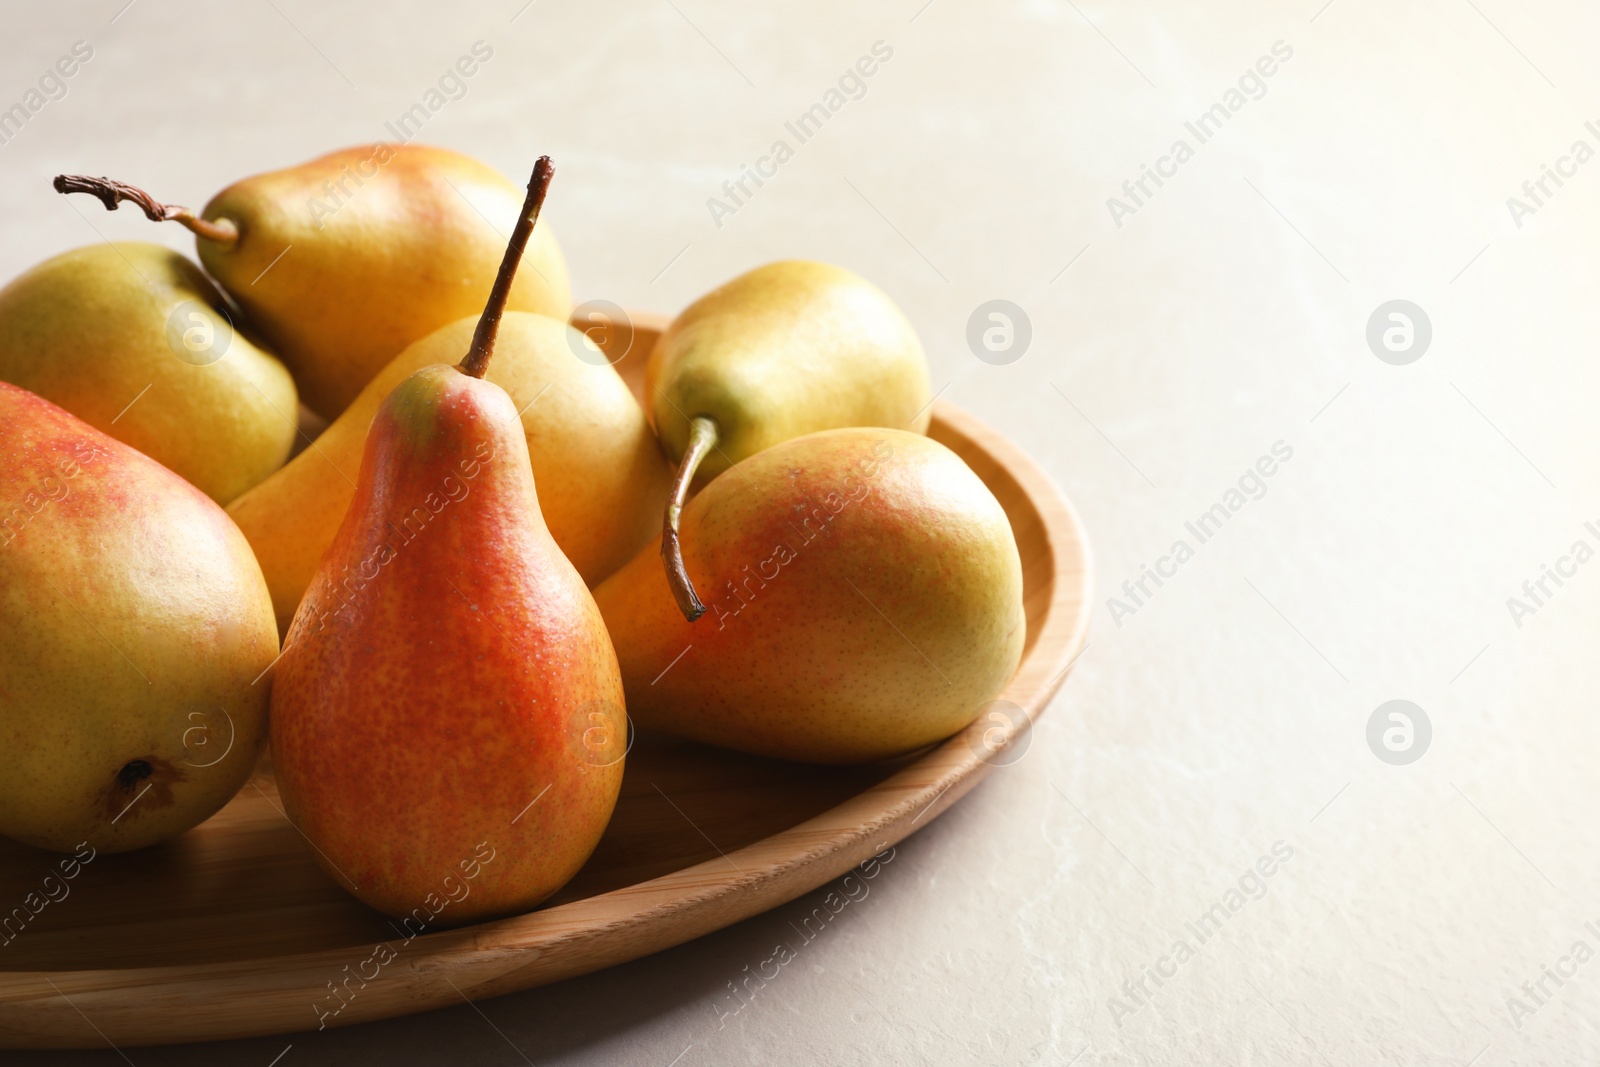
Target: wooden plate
(233,931)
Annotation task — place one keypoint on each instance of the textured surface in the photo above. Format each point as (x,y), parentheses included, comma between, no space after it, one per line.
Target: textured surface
(1227,313)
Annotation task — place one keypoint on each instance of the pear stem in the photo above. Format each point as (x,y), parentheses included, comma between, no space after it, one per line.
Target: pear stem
(476,362)
(702,439)
(112,192)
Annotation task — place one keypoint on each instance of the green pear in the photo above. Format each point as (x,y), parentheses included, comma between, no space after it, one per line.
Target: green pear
(787,349)
(865,601)
(135,622)
(343,261)
(135,340)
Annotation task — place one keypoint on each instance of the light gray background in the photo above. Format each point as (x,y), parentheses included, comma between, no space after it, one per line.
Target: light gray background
(1227,314)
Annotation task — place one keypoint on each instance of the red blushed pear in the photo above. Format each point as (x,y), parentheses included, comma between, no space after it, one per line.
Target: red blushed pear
(864,594)
(447,718)
(134,624)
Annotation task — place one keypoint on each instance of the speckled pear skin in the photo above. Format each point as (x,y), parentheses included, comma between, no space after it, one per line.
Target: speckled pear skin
(864,599)
(447,691)
(601,478)
(385,244)
(88,330)
(786,349)
(133,622)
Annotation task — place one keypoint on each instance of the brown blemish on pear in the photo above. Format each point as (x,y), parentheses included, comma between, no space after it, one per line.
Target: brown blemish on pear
(129,595)
(144,784)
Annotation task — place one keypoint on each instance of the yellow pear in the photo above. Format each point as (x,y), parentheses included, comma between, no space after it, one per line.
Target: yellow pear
(865,598)
(601,478)
(784,350)
(343,261)
(134,626)
(134,340)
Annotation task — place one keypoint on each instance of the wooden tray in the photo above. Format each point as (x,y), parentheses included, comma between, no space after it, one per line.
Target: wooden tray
(233,931)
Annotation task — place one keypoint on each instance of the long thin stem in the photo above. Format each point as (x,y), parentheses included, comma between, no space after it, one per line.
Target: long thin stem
(111,192)
(477,358)
(702,439)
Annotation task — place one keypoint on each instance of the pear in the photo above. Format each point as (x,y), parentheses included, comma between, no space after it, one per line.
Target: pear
(784,350)
(447,718)
(601,478)
(343,261)
(867,601)
(134,623)
(135,340)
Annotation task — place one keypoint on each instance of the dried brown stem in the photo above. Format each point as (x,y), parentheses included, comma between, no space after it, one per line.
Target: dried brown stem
(702,439)
(111,192)
(476,362)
